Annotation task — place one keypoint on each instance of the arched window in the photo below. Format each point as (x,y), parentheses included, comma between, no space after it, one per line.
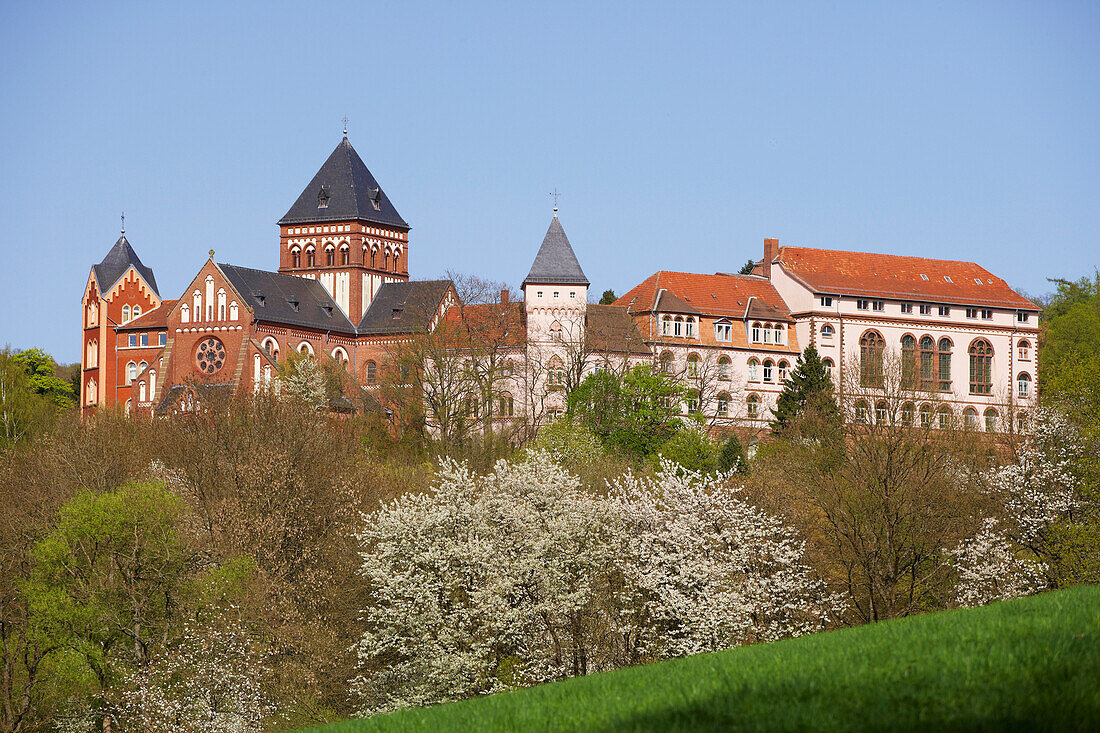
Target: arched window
(125,313)
(990,416)
(828,366)
(723,404)
(142,367)
(341,357)
(136,311)
(374,257)
(185,314)
(221,304)
(267,374)
(141,391)
(724,367)
(666,362)
(693,401)
(753,406)
(970,418)
(330,256)
(689,327)
(908,360)
(296,257)
(92,354)
(397,262)
(862,411)
(1024,350)
(255,372)
(666,326)
(767,333)
(197,300)
(783,368)
(557,372)
(345,257)
(693,365)
(981,367)
(311,259)
(907,411)
(305,347)
(129,404)
(678,326)
(152,384)
(754,365)
(944,418)
(827,331)
(91,392)
(777,333)
(234,313)
(555,331)
(943,354)
(371,372)
(768,370)
(131,372)
(926,416)
(505,405)
(928,361)
(1023,385)
(508,369)
(881,412)
(756,333)
(871,346)
(271,346)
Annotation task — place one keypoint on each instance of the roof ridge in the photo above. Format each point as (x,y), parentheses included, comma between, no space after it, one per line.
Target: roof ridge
(882,254)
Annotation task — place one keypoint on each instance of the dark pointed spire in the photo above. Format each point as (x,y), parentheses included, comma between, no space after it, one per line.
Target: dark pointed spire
(118,260)
(556,263)
(343,189)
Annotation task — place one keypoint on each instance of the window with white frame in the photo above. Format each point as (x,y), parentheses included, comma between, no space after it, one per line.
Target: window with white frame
(131,371)
(666,326)
(907,308)
(827,331)
(723,331)
(863,304)
(945,310)
(689,327)
(724,364)
(1024,350)
(754,366)
(756,338)
(769,370)
(925,309)
(826,301)
(693,365)
(678,326)
(1023,385)
(1021,317)
(777,333)
(878,305)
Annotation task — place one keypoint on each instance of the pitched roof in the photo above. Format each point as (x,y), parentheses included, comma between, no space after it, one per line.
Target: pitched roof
(494,325)
(404,307)
(556,262)
(287,299)
(611,329)
(348,190)
(156,318)
(895,276)
(712,295)
(118,260)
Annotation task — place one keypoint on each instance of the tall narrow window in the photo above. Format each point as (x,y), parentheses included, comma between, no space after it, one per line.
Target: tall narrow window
(677,326)
(908,361)
(981,367)
(372,372)
(1024,350)
(296,258)
(756,333)
(693,365)
(221,304)
(990,416)
(768,370)
(666,362)
(724,367)
(871,346)
(666,326)
(131,372)
(944,358)
(927,361)
(689,327)
(753,366)
(1023,385)
(344,256)
(783,367)
(330,257)
(777,333)
(125,313)
(723,404)
(310,258)
(753,405)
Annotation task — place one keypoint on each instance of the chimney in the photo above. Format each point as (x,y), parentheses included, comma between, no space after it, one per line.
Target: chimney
(504,295)
(771,251)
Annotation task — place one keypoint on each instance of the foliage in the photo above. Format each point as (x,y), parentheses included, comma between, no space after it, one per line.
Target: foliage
(571,443)
(521,576)
(31,396)
(692,448)
(300,377)
(634,412)
(1069,354)
(807,389)
(748,267)
(608,297)
(1028,664)
(42,377)
(732,456)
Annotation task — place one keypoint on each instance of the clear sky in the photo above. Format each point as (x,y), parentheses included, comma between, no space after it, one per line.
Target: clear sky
(680,135)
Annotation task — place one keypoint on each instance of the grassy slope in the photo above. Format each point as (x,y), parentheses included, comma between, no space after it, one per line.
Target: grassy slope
(1031,664)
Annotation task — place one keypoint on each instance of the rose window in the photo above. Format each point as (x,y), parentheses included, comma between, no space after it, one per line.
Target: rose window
(210,356)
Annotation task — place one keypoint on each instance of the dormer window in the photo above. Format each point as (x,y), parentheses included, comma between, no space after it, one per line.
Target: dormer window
(322,198)
(723,332)
(375,195)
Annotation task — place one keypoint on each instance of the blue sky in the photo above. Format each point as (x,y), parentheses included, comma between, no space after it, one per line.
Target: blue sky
(680,135)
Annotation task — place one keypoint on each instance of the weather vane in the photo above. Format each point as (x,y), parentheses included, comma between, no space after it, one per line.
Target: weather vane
(345,125)
(123,222)
(555,196)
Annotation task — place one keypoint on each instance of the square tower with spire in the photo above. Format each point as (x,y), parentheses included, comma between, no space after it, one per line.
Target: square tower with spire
(555,291)
(344,232)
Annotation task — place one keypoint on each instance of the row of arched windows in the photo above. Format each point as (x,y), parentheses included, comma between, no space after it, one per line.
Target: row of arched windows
(226,309)
(678,326)
(926,363)
(388,259)
(925,416)
(768,333)
(129,314)
(769,372)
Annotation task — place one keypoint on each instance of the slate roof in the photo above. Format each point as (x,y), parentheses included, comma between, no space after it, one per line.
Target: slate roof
(712,295)
(119,259)
(403,307)
(351,192)
(556,263)
(156,318)
(287,299)
(894,276)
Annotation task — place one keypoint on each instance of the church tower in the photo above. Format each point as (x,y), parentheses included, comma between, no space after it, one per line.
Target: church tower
(344,232)
(555,291)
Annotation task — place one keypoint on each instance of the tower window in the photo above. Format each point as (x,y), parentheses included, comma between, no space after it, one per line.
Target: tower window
(322,198)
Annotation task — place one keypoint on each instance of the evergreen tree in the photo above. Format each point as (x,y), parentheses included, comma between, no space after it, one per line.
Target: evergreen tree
(608,297)
(747,268)
(808,388)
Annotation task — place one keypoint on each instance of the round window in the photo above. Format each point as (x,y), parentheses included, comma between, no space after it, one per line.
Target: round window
(210,355)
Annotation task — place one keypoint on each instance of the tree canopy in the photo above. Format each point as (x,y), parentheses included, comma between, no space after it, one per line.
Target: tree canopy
(808,389)
(635,412)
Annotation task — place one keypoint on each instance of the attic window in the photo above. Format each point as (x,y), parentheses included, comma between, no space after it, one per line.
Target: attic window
(327,308)
(375,198)
(322,198)
(947,278)
(978,280)
(924,277)
(293,304)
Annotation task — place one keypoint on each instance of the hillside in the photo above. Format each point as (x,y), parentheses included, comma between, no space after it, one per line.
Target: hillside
(1033,663)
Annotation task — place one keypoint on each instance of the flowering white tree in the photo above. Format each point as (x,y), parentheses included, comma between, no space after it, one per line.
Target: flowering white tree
(303,378)
(521,576)
(1042,486)
(209,682)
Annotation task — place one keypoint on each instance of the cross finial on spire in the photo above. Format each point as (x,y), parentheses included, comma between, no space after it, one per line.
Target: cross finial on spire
(123,222)
(345,125)
(555,196)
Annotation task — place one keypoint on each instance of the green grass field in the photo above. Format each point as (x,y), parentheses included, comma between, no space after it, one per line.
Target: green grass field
(1031,664)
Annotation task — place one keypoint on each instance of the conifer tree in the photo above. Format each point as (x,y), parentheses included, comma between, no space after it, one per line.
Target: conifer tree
(807,387)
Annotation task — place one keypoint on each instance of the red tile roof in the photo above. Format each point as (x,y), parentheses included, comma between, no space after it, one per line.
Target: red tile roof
(715,295)
(156,318)
(894,276)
